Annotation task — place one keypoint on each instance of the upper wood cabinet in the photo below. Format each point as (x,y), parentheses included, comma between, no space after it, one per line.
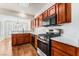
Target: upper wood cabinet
(45,14)
(63,11)
(51,10)
(68,12)
(37,22)
(40,20)
(60,10)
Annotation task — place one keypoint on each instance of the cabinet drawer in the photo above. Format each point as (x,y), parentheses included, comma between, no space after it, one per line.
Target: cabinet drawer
(57,52)
(64,47)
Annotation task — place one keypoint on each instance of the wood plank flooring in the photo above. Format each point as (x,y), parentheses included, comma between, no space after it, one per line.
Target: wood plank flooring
(24,50)
(6,49)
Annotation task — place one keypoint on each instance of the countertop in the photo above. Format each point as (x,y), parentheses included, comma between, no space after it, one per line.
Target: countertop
(66,40)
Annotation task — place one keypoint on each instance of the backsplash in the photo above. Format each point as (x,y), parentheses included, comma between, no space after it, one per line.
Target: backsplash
(43,30)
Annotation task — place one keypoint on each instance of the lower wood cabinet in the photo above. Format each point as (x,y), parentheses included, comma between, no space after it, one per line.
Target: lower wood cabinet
(14,39)
(18,39)
(61,49)
(34,41)
(57,52)
(27,38)
(36,38)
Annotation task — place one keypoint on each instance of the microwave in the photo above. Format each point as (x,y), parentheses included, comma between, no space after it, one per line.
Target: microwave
(50,21)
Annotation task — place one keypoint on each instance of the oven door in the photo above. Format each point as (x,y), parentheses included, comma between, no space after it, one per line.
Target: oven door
(44,47)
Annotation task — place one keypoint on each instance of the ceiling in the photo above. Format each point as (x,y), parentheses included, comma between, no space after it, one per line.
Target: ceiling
(21,9)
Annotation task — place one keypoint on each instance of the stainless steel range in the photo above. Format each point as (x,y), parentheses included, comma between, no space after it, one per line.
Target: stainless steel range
(44,43)
(44,47)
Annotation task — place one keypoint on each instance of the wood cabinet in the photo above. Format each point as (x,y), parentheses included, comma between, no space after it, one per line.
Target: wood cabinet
(57,52)
(61,49)
(14,39)
(61,17)
(40,20)
(70,50)
(45,14)
(61,10)
(36,22)
(27,38)
(34,41)
(36,38)
(51,10)
(18,39)
(68,12)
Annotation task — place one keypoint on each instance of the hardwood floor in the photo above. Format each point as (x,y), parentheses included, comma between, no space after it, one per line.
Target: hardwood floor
(24,50)
(6,49)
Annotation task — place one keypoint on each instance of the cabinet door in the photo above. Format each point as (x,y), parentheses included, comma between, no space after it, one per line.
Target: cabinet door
(27,38)
(60,13)
(51,10)
(68,12)
(64,47)
(40,20)
(36,22)
(20,38)
(13,39)
(45,14)
(35,43)
(57,52)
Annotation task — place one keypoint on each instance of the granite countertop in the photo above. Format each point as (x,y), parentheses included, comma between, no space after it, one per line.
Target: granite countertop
(66,40)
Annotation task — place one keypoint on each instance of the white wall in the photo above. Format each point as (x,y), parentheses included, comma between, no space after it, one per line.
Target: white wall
(10,24)
(71,30)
